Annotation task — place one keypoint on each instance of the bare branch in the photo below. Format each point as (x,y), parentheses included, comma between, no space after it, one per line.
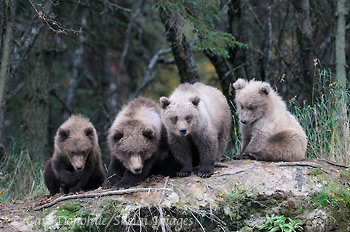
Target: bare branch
(148,77)
(274,45)
(114,86)
(62,102)
(54,25)
(119,7)
(99,194)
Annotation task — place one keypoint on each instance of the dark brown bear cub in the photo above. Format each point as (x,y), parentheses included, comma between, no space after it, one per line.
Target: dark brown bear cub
(138,145)
(76,163)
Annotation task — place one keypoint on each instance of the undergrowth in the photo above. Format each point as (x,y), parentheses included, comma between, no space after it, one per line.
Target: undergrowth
(21,176)
(334,196)
(326,124)
(280,223)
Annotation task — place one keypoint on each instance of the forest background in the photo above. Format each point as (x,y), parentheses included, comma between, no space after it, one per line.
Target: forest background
(78,56)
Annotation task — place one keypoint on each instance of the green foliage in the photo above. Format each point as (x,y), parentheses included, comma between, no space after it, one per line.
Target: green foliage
(21,176)
(334,196)
(280,223)
(235,141)
(70,217)
(199,26)
(327,131)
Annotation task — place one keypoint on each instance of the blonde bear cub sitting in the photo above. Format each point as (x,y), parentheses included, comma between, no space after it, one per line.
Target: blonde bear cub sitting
(268,131)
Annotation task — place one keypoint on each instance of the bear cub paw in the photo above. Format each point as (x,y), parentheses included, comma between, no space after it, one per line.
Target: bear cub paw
(205,172)
(184,172)
(245,155)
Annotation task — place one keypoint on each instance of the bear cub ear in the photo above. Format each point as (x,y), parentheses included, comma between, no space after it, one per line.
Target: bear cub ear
(89,132)
(164,102)
(63,134)
(117,135)
(240,84)
(195,101)
(265,89)
(148,133)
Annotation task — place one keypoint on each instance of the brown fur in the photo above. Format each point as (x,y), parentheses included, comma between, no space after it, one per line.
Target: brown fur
(268,131)
(198,121)
(136,141)
(76,162)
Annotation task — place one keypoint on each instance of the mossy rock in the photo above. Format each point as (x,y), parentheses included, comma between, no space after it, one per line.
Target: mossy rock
(236,198)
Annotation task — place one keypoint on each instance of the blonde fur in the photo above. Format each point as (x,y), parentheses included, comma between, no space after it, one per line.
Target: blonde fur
(198,120)
(268,131)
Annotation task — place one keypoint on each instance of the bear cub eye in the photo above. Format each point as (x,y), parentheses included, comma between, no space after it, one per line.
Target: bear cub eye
(72,153)
(188,118)
(84,152)
(174,119)
(141,153)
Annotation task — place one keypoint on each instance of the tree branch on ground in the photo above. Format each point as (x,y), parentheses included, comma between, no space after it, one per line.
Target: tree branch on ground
(99,194)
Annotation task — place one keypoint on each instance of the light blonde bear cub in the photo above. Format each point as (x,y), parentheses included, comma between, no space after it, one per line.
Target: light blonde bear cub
(268,131)
(198,122)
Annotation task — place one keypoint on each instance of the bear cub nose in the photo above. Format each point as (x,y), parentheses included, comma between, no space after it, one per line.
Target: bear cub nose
(137,169)
(183,131)
(243,121)
(79,167)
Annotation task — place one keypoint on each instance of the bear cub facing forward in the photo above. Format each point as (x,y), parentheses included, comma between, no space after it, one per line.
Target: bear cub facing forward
(137,141)
(198,121)
(76,163)
(268,131)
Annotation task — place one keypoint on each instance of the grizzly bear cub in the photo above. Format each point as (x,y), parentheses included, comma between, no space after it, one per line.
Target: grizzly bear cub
(76,163)
(268,131)
(138,145)
(198,122)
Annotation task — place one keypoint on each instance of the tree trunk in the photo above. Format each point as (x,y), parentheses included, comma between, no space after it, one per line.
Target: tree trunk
(36,73)
(181,50)
(340,46)
(343,131)
(306,57)
(7,13)
(224,72)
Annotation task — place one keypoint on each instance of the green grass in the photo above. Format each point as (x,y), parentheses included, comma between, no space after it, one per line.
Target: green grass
(21,177)
(334,196)
(326,128)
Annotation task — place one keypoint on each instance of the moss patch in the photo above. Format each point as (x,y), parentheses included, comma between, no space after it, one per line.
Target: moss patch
(68,217)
